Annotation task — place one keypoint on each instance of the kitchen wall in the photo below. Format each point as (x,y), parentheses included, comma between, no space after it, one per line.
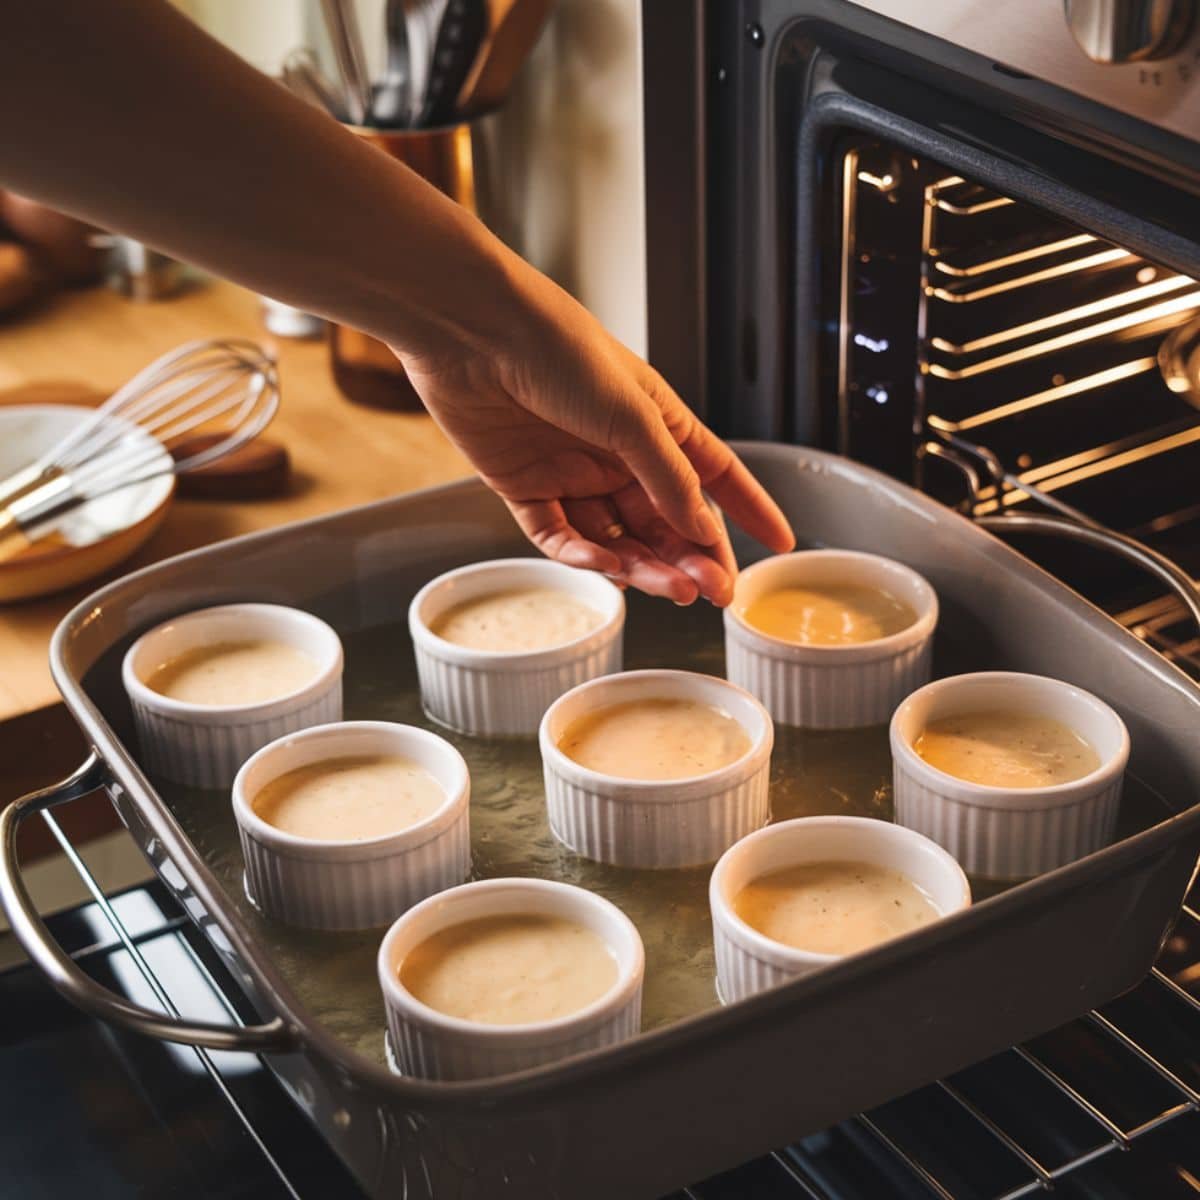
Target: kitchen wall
(560,169)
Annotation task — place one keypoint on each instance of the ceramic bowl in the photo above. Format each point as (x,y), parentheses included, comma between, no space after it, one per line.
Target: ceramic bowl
(353,884)
(433,1045)
(748,961)
(493,693)
(1009,833)
(656,823)
(203,745)
(830,687)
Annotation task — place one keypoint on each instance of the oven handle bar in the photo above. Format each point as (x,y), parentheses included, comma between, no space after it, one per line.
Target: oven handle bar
(1178,580)
(66,978)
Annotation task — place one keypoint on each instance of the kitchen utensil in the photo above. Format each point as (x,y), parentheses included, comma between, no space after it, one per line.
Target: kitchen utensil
(422,19)
(716,1085)
(511,31)
(94,537)
(341,21)
(302,76)
(225,386)
(459,33)
(390,103)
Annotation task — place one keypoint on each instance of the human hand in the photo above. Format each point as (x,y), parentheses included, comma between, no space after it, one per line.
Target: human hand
(600,462)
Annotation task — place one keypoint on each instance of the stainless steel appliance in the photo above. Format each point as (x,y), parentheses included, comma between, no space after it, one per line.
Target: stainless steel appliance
(959,242)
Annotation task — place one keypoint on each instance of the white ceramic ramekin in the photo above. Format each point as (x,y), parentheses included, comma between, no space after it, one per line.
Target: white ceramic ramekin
(493,693)
(1009,833)
(353,884)
(432,1045)
(747,961)
(203,745)
(830,687)
(656,823)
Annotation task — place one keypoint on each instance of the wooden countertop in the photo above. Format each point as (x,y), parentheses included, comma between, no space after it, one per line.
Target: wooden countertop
(342,454)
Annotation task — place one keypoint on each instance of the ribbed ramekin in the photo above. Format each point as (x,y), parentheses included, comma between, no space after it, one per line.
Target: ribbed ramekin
(1009,833)
(432,1045)
(353,884)
(203,745)
(656,823)
(830,687)
(748,961)
(494,693)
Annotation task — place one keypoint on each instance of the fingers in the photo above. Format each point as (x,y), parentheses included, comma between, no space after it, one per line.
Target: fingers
(726,478)
(720,472)
(641,568)
(641,438)
(545,524)
(712,568)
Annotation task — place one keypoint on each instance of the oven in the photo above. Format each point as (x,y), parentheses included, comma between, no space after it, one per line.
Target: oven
(961,242)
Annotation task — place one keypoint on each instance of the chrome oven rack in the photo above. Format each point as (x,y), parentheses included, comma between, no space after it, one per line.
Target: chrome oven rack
(1009,295)
(1107,1106)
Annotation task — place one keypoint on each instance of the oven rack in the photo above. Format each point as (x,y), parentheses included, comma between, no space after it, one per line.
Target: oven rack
(1069,1112)
(1039,360)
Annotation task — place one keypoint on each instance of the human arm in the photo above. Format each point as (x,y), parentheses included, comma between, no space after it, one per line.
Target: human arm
(125,114)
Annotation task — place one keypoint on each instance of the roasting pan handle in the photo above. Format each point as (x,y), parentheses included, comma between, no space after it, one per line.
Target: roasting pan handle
(66,978)
(1178,580)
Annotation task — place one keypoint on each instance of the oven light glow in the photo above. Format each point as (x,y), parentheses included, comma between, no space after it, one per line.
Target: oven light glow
(875,345)
(877,393)
(1147,275)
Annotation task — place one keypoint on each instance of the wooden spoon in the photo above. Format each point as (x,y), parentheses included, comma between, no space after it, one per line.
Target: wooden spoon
(512,29)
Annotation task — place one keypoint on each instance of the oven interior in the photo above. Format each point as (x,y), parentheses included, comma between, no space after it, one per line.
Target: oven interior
(1007,360)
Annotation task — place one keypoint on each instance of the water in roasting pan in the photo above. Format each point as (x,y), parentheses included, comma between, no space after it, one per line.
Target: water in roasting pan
(334,974)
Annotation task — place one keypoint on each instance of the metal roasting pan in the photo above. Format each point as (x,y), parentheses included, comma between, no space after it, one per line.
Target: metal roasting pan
(701,1093)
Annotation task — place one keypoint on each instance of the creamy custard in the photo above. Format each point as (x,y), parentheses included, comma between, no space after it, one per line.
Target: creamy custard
(516,620)
(350,799)
(1007,749)
(510,970)
(833,907)
(834,614)
(655,739)
(246,672)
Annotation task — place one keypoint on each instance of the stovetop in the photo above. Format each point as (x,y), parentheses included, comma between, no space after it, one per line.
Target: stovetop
(1106,1108)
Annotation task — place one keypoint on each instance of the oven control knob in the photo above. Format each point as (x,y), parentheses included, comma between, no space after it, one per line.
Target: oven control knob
(1122,31)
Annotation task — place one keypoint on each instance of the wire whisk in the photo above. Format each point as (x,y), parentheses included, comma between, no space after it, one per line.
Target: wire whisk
(225,390)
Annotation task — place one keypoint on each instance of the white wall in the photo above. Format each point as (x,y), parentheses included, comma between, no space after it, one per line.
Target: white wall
(262,31)
(569,145)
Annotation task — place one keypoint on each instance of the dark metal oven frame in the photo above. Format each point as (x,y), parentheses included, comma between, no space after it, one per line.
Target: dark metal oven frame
(742,103)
